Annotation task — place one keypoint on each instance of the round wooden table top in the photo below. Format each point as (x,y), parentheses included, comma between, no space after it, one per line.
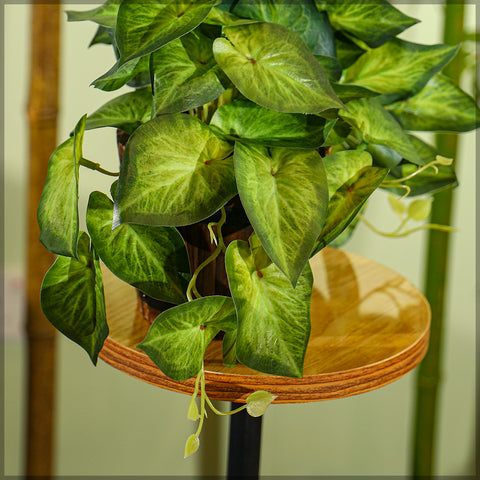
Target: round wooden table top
(370,327)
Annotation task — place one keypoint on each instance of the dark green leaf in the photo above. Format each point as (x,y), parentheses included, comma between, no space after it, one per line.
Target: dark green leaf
(143,27)
(229,345)
(386,157)
(285,195)
(175,171)
(118,77)
(425,182)
(426,152)
(331,66)
(57,211)
(178,337)
(300,17)
(102,36)
(372,21)
(347,202)
(152,259)
(72,298)
(378,127)
(273,67)
(398,69)
(352,92)
(126,112)
(343,165)
(184,74)
(105,14)
(273,317)
(347,51)
(248,122)
(440,106)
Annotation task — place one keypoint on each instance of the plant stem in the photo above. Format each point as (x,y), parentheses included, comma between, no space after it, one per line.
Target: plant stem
(96,166)
(428,375)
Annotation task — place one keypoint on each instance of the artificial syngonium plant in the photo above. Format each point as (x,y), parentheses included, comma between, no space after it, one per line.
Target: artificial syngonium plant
(303,109)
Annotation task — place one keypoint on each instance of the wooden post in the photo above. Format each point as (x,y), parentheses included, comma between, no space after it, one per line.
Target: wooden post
(42,114)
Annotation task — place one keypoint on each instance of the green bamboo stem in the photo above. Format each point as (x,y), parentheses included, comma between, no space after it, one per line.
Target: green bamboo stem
(429,372)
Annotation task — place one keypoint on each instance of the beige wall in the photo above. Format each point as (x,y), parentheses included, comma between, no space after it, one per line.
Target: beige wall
(108,423)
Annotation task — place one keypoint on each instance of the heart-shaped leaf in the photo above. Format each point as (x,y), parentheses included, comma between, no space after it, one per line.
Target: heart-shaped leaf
(273,317)
(285,195)
(72,298)
(152,259)
(184,74)
(302,18)
(343,165)
(126,112)
(440,106)
(105,14)
(377,126)
(178,337)
(117,76)
(57,211)
(373,21)
(272,66)
(398,68)
(248,122)
(143,27)
(258,402)
(347,201)
(175,171)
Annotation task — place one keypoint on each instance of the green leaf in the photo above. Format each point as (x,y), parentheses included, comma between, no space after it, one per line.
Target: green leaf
(385,156)
(426,153)
(331,66)
(72,298)
(57,211)
(397,205)
(192,445)
(302,18)
(229,353)
(117,77)
(175,171)
(378,127)
(273,67)
(258,402)
(285,195)
(427,181)
(102,36)
(143,27)
(347,51)
(184,74)
(273,317)
(219,16)
(352,92)
(152,259)
(398,68)
(440,106)
(372,21)
(105,14)
(192,412)
(248,122)
(343,165)
(126,112)
(419,210)
(347,202)
(178,337)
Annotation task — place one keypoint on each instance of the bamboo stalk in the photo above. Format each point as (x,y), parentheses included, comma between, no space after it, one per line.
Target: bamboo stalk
(42,114)
(429,372)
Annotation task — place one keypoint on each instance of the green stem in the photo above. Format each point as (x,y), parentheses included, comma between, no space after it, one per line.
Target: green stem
(96,166)
(428,375)
(231,412)
(397,234)
(408,177)
(220,247)
(203,397)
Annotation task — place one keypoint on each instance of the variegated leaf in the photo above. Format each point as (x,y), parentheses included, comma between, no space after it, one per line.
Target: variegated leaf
(178,337)
(439,106)
(105,14)
(117,76)
(143,27)
(248,122)
(57,212)
(126,112)
(285,195)
(152,259)
(273,317)
(398,68)
(175,171)
(273,67)
(72,298)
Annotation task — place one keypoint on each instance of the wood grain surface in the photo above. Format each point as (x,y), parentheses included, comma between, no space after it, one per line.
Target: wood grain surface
(370,327)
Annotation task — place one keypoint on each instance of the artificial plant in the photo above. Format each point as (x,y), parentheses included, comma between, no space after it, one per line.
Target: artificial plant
(302,109)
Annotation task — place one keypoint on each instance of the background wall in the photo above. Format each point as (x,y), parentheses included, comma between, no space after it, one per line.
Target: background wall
(109,423)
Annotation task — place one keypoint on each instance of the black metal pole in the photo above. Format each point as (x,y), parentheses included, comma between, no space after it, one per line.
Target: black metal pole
(244,446)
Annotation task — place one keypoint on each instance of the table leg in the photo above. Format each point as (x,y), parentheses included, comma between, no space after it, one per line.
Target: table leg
(244,446)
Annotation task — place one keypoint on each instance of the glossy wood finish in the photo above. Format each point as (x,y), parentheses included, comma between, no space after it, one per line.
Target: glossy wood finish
(370,327)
